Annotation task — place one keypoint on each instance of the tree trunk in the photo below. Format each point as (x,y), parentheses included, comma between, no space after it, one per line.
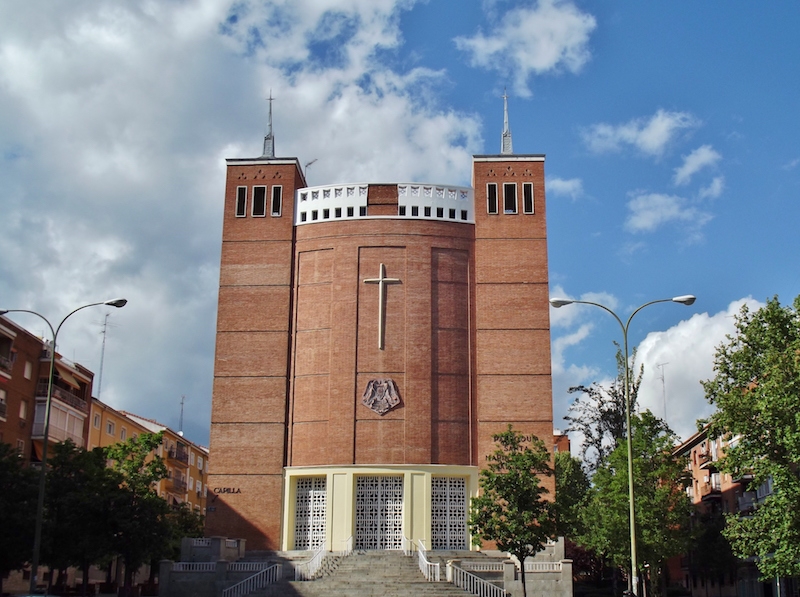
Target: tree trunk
(85,586)
(522,576)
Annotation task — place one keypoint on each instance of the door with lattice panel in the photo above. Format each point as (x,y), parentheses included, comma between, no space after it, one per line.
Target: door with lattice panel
(448,513)
(309,513)
(379,512)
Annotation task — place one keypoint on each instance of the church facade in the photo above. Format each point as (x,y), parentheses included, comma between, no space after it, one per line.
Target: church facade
(371,338)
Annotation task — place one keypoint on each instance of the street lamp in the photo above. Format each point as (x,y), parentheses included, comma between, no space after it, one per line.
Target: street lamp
(37,538)
(686,299)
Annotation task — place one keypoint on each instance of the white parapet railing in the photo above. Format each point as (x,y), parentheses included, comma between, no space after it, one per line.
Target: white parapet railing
(467,581)
(543,567)
(201,542)
(194,566)
(483,566)
(307,570)
(261,579)
(429,570)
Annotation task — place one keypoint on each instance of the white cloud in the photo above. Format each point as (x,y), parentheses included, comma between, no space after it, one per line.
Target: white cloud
(651,135)
(120,115)
(650,211)
(702,157)
(713,190)
(688,348)
(572,188)
(791,164)
(552,35)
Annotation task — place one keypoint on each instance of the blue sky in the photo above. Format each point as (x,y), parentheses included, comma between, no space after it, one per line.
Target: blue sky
(670,131)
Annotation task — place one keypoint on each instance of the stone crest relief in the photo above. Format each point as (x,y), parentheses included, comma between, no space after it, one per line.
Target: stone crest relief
(381,395)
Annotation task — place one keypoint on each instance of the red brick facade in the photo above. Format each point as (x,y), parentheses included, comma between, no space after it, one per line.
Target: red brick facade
(465,334)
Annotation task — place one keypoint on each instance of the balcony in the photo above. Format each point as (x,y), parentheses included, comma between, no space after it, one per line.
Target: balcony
(708,460)
(179,455)
(7,362)
(747,502)
(56,434)
(3,409)
(176,484)
(65,395)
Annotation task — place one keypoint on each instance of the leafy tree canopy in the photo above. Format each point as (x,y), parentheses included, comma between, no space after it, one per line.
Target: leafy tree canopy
(572,488)
(756,391)
(17,510)
(513,510)
(662,506)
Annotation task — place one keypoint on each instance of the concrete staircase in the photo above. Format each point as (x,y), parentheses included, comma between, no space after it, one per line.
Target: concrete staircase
(367,574)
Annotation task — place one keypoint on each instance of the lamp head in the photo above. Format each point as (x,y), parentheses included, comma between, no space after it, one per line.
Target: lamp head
(3,311)
(560,302)
(686,299)
(118,302)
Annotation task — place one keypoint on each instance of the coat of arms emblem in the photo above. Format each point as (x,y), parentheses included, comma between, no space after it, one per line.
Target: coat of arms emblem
(381,395)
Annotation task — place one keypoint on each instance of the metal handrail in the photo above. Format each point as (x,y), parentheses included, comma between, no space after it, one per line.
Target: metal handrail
(261,579)
(467,581)
(307,570)
(431,571)
(348,547)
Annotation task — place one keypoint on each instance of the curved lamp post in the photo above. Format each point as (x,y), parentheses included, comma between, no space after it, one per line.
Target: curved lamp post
(37,538)
(686,299)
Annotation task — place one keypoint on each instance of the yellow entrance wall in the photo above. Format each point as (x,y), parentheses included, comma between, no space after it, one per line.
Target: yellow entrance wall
(340,504)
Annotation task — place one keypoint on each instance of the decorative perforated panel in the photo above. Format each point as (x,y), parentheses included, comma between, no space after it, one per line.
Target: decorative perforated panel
(379,512)
(448,513)
(309,513)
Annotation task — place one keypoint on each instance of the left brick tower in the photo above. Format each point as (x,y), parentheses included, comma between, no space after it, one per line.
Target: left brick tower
(251,368)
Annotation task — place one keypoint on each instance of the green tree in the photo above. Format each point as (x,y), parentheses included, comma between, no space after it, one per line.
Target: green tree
(572,488)
(756,391)
(662,507)
(512,509)
(81,492)
(598,413)
(141,525)
(17,511)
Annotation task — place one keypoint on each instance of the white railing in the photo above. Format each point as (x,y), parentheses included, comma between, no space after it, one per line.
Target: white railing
(429,570)
(232,543)
(483,566)
(258,581)
(408,546)
(201,542)
(467,581)
(194,566)
(248,566)
(542,566)
(307,570)
(348,547)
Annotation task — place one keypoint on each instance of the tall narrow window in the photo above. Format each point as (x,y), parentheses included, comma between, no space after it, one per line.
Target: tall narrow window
(259,202)
(277,201)
(241,202)
(491,198)
(527,197)
(510,198)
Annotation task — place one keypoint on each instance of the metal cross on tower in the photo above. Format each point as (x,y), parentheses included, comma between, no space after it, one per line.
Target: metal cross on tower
(381,281)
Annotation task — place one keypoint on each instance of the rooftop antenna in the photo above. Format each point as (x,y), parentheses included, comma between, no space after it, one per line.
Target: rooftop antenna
(269,140)
(505,146)
(102,356)
(663,388)
(180,422)
(305,168)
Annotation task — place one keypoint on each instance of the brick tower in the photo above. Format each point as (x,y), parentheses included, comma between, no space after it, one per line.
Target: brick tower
(370,340)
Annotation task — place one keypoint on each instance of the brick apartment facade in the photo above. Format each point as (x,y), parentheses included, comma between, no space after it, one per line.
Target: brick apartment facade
(370,340)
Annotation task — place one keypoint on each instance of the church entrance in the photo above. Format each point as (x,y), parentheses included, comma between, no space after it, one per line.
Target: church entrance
(309,513)
(448,513)
(379,512)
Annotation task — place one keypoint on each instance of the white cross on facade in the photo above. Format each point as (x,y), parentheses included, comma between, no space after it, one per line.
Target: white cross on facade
(381,281)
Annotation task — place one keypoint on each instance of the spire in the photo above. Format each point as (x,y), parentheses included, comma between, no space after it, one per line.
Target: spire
(269,140)
(505,145)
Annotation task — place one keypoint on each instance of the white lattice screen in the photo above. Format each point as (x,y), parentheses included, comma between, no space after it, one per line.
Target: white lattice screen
(448,513)
(379,512)
(309,513)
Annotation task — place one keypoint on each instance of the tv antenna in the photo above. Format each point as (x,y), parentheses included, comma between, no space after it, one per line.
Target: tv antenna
(180,422)
(103,354)
(663,388)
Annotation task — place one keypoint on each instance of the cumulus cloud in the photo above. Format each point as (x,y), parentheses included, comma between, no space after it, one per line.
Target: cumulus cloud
(650,211)
(713,190)
(116,121)
(550,36)
(702,157)
(686,351)
(650,136)
(572,188)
